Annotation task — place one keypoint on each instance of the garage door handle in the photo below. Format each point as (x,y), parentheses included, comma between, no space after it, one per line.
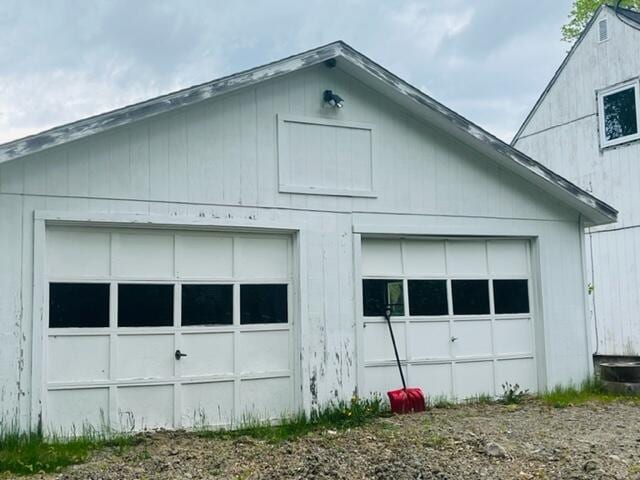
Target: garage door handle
(179,355)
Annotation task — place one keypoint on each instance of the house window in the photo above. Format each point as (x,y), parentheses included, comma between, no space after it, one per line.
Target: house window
(618,110)
(78,305)
(379,293)
(141,305)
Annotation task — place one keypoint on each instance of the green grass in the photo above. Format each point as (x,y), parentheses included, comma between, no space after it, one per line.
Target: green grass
(590,390)
(480,399)
(440,401)
(335,416)
(27,453)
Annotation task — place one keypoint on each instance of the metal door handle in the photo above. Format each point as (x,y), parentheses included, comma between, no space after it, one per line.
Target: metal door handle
(453,339)
(179,354)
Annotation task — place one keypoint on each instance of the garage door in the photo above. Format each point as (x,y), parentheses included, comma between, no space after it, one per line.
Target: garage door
(461,315)
(155,328)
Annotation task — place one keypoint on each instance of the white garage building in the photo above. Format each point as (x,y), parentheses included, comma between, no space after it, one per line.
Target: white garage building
(227,250)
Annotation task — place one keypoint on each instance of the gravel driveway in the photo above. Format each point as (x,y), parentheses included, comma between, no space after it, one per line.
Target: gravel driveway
(594,441)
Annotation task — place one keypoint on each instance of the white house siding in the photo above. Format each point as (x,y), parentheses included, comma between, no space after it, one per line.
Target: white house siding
(216,163)
(563,133)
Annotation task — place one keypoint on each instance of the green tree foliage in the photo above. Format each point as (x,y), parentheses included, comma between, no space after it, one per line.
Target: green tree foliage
(581,13)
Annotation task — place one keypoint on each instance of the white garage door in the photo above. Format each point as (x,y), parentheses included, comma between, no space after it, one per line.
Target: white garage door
(153,328)
(461,315)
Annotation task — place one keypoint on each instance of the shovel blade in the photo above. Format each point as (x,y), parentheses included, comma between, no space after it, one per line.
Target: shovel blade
(406,400)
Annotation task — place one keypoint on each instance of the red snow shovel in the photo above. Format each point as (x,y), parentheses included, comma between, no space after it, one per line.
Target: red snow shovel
(403,400)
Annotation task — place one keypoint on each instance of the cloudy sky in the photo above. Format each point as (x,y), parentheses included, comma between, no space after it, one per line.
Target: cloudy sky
(64,60)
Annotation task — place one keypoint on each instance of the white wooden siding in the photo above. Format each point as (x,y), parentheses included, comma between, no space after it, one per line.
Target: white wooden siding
(564,134)
(218,162)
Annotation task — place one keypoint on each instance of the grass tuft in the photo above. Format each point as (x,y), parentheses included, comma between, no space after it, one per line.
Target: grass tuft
(29,453)
(590,390)
(440,401)
(336,416)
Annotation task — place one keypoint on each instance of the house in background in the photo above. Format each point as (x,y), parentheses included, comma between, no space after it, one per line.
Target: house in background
(228,250)
(586,127)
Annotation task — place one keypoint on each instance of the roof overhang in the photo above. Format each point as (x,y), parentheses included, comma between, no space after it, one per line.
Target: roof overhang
(593,210)
(625,15)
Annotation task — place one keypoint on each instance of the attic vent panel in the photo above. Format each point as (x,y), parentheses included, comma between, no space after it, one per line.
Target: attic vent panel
(322,156)
(603,30)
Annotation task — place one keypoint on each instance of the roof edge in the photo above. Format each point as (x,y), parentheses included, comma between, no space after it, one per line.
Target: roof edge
(556,74)
(505,151)
(180,98)
(594,209)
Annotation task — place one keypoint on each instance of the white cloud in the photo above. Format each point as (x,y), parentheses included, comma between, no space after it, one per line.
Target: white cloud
(64,60)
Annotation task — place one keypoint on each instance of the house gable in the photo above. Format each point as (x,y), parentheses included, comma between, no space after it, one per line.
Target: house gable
(360,68)
(580,74)
(229,150)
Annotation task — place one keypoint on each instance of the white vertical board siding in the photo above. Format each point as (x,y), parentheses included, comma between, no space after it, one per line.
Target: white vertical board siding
(218,162)
(563,134)
(225,151)
(11,314)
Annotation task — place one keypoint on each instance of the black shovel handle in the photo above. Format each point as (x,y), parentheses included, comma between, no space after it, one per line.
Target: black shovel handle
(387,316)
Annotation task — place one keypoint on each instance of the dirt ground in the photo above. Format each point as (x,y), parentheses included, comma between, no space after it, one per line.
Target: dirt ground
(594,441)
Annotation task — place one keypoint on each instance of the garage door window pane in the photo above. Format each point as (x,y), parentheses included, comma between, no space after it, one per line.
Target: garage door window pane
(78,305)
(378,293)
(470,297)
(207,305)
(263,304)
(145,305)
(511,296)
(428,297)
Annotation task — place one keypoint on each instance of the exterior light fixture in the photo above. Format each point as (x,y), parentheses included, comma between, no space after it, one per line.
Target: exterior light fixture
(333,99)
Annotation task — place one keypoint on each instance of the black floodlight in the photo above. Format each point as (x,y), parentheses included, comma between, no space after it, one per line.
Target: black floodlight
(333,99)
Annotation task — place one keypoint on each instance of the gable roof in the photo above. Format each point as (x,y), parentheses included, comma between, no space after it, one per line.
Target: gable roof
(362,68)
(628,15)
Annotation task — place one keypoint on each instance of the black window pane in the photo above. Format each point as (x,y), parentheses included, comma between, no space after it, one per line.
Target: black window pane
(263,304)
(620,117)
(207,304)
(377,294)
(78,305)
(511,296)
(428,297)
(142,305)
(470,297)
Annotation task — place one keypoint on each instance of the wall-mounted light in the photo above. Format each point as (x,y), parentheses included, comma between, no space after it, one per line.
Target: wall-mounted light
(333,99)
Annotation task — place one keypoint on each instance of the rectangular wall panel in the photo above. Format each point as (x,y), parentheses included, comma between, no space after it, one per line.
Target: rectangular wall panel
(143,255)
(203,256)
(473,378)
(73,253)
(264,351)
(78,358)
(77,411)
(317,155)
(207,404)
(429,340)
(207,354)
(145,407)
(145,356)
(268,398)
